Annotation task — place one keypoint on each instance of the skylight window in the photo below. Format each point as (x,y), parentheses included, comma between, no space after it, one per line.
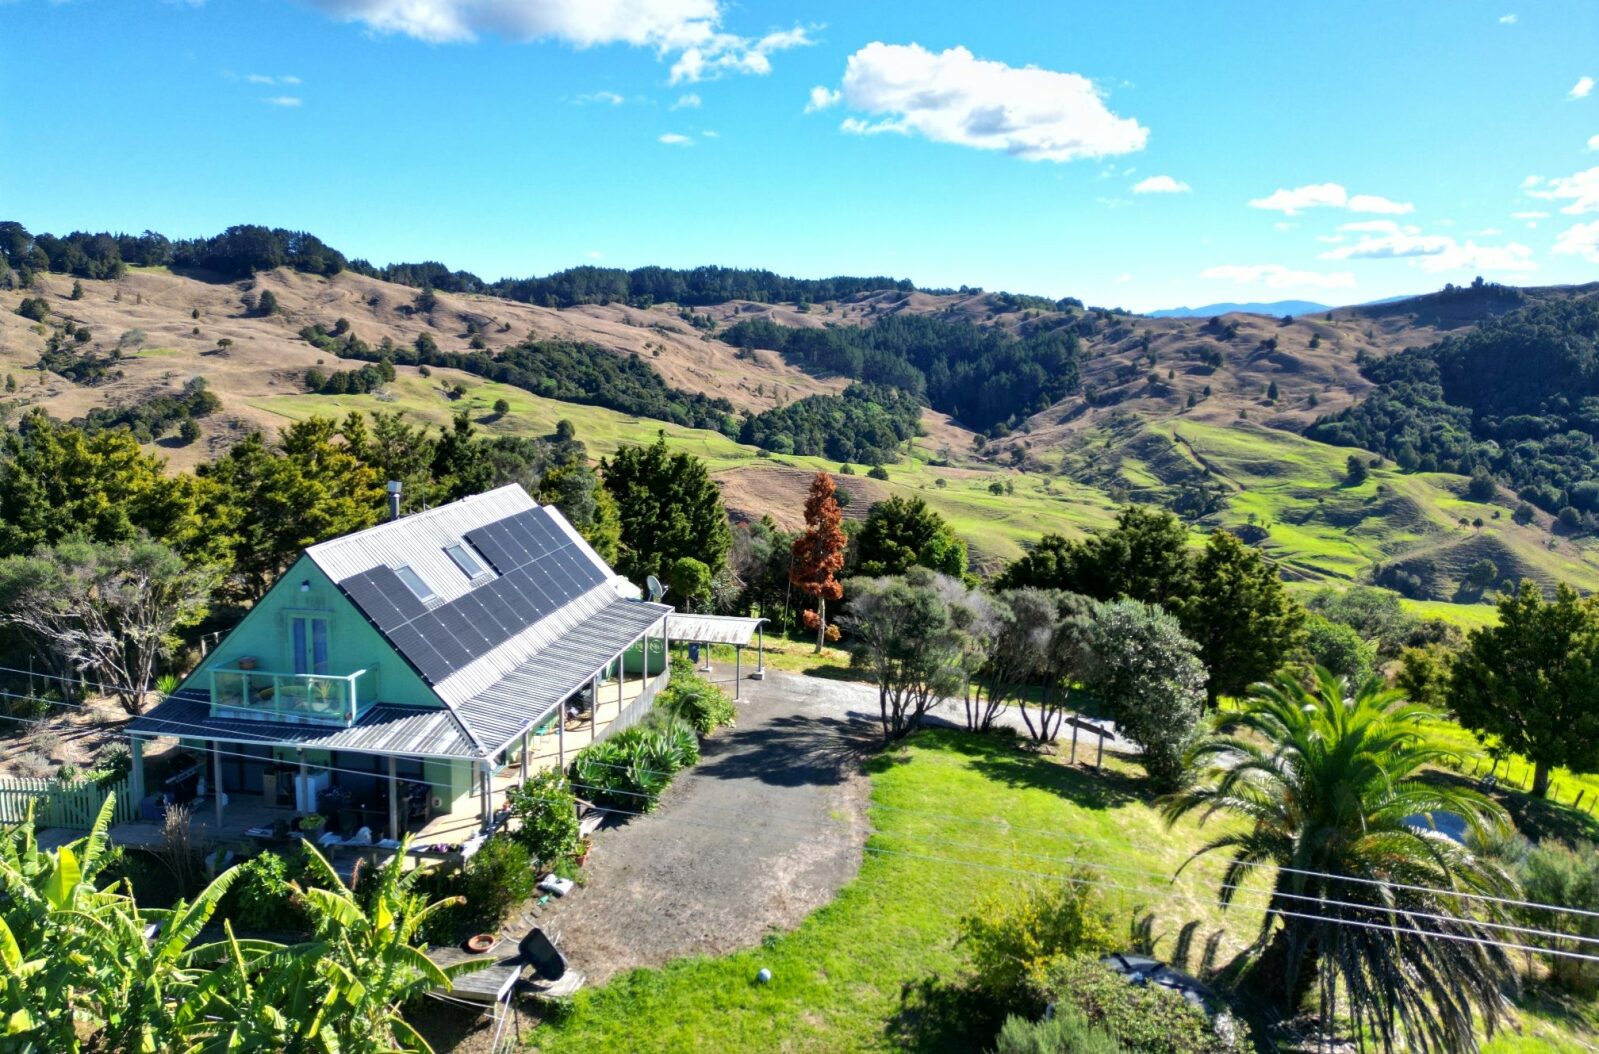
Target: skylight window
(465,560)
(414,583)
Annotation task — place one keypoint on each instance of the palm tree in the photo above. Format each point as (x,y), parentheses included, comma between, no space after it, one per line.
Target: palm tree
(1329,785)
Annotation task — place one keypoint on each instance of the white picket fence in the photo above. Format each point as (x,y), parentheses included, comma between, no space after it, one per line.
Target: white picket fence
(55,804)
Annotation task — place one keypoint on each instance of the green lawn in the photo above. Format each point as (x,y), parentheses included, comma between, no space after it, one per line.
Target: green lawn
(954,816)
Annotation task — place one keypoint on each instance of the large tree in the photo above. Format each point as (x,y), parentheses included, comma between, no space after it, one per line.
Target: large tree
(818,552)
(904,632)
(577,491)
(1531,680)
(669,508)
(1240,615)
(107,612)
(1040,640)
(1322,786)
(902,532)
(1149,680)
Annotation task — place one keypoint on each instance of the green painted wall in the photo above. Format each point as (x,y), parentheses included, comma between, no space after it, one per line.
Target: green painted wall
(352,642)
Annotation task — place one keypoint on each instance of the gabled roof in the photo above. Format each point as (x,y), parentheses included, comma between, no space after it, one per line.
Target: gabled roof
(544,596)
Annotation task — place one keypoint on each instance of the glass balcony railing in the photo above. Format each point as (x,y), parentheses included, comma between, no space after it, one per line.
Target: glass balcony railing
(291,697)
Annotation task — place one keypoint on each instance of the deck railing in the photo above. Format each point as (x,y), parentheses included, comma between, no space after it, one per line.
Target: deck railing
(290,697)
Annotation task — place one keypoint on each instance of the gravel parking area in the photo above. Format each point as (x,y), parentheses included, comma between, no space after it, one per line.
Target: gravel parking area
(763,831)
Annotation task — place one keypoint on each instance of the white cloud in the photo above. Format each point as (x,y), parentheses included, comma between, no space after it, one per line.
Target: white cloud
(288,80)
(1378,227)
(1593,142)
(1487,232)
(1122,279)
(673,139)
(710,134)
(821,98)
(268,80)
(1581,240)
(1327,195)
(1276,276)
(1507,20)
(1582,89)
(606,98)
(1435,252)
(1581,191)
(954,97)
(594,254)
(1161,185)
(1284,225)
(689,101)
(283,100)
(1532,215)
(689,31)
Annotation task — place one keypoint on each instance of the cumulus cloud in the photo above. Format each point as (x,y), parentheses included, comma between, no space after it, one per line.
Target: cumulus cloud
(1533,214)
(689,31)
(1507,20)
(594,254)
(1276,276)
(689,101)
(955,97)
(1122,279)
(1580,192)
(1582,89)
(283,100)
(821,98)
(1291,202)
(673,139)
(1161,185)
(605,98)
(1378,227)
(1434,252)
(1593,142)
(1581,240)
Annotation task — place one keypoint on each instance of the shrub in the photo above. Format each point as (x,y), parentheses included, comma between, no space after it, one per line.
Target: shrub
(1553,874)
(262,898)
(1013,936)
(497,878)
(112,762)
(1067,1032)
(1146,1018)
(546,813)
(696,702)
(35,308)
(629,771)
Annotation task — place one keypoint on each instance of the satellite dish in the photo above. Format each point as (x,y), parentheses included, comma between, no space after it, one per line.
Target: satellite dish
(655,588)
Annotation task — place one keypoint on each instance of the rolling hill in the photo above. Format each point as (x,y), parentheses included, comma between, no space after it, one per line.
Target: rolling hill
(1203,414)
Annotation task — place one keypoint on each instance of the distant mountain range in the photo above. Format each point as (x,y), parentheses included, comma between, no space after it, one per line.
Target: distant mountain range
(1276,307)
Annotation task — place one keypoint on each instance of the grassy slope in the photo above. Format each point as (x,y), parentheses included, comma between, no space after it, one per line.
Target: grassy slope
(839,979)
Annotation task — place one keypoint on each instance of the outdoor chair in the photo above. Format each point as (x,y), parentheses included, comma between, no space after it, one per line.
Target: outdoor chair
(539,952)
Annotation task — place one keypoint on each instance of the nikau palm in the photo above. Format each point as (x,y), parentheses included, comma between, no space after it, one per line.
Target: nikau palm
(1330,785)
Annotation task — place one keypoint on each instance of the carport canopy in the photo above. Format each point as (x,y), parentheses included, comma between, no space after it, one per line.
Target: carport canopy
(736,630)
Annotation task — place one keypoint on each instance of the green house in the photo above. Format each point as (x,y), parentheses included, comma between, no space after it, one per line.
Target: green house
(402,678)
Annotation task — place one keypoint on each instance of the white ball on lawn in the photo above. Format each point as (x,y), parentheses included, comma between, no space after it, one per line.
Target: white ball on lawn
(764,976)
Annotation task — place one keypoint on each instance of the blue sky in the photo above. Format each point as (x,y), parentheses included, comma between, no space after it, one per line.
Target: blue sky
(1140,154)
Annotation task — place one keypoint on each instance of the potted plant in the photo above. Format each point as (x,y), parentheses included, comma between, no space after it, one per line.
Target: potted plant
(583,850)
(313,822)
(479,943)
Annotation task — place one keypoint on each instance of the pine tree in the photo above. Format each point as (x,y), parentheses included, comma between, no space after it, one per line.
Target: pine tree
(819,552)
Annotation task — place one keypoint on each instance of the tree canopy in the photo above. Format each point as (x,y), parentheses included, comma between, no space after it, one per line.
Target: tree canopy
(669,507)
(903,532)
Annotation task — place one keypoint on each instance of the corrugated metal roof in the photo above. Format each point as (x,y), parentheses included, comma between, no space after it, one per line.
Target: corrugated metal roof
(418,540)
(526,693)
(385,728)
(712,629)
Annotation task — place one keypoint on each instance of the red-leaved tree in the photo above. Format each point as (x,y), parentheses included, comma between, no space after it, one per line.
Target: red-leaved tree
(819,552)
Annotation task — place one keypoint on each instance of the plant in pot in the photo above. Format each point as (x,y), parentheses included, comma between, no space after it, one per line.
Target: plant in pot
(311,823)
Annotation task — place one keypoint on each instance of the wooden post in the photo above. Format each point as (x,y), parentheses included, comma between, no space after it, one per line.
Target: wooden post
(216,771)
(394,799)
(136,773)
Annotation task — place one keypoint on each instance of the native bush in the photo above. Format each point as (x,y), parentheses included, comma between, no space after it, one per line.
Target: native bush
(262,900)
(694,700)
(1015,934)
(1146,1018)
(546,813)
(1067,1032)
(499,876)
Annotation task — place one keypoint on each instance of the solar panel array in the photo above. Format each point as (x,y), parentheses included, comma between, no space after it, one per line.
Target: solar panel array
(539,569)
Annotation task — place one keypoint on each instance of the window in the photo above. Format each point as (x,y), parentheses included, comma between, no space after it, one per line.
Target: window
(465,560)
(414,583)
(309,639)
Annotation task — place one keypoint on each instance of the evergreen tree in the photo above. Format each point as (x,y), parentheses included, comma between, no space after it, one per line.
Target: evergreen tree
(902,532)
(1239,614)
(669,507)
(577,491)
(1531,681)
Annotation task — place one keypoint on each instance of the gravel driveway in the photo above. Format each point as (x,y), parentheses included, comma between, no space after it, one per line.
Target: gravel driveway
(763,831)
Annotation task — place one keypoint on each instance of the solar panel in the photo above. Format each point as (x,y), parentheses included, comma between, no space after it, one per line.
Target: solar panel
(489,541)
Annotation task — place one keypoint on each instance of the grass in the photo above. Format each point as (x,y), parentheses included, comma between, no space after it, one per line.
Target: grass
(840,979)
(954,816)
